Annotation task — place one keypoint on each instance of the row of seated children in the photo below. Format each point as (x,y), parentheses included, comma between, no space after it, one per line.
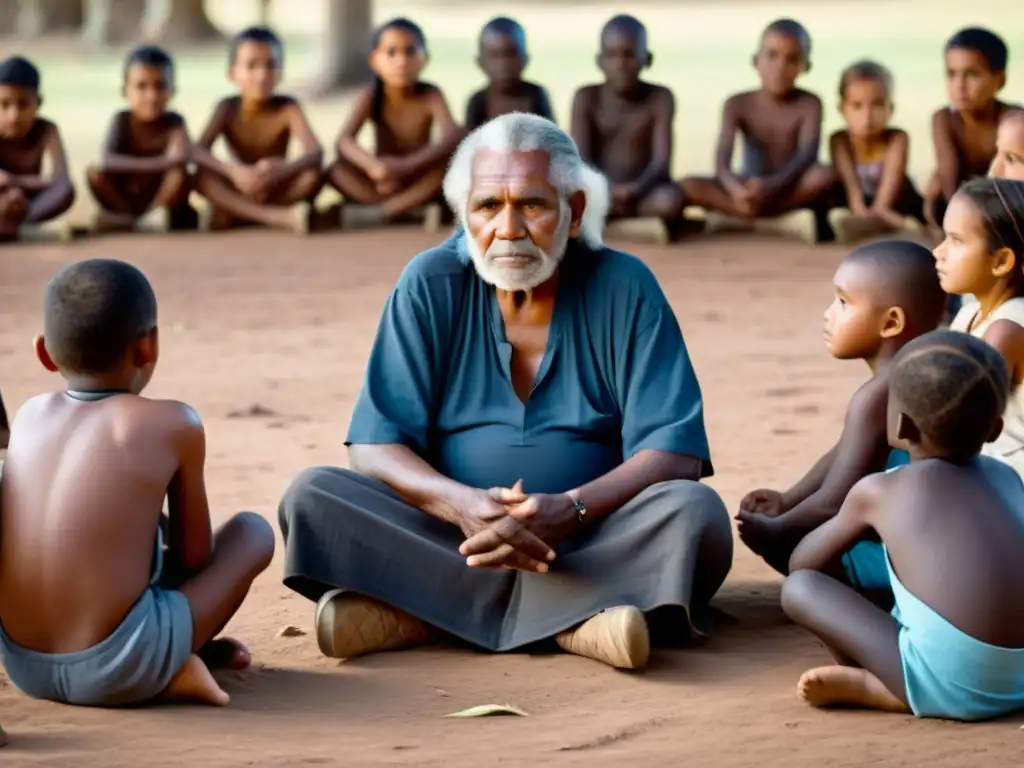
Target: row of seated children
(622,126)
(947,643)
(861,533)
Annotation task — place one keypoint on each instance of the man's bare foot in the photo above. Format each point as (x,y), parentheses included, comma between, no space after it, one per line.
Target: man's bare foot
(108,221)
(849,687)
(195,683)
(225,653)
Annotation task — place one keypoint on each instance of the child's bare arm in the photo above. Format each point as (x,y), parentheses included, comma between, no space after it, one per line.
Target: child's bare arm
(894,171)
(946,156)
(660,166)
(861,451)
(53,149)
(202,151)
(812,482)
(348,146)
(114,162)
(581,127)
(823,546)
(190,541)
(312,153)
(846,166)
(731,114)
(808,146)
(439,151)
(1008,337)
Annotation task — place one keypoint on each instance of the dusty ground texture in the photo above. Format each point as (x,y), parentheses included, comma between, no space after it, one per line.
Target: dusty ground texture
(264,319)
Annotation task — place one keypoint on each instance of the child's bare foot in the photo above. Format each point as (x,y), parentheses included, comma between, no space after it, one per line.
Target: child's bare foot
(195,683)
(847,686)
(225,653)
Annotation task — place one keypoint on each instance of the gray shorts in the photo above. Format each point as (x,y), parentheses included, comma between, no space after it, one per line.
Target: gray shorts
(132,666)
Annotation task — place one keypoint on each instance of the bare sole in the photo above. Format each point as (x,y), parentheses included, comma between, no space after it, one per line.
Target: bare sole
(195,684)
(847,687)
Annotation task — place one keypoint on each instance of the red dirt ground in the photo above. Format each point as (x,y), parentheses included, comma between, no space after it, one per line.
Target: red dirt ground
(261,318)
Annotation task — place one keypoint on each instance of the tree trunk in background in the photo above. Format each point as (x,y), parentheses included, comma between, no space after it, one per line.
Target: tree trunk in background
(8,16)
(180,21)
(346,42)
(43,17)
(109,22)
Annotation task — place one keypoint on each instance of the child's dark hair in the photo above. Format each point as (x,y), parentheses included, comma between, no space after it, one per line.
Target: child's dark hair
(905,277)
(19,72)
(405,25)
(790,28)
(631,25)
(868,70)
(257,34)
(988,44)
(150,56)
(1001,205)
(506,27)
(954,387)
(93,311)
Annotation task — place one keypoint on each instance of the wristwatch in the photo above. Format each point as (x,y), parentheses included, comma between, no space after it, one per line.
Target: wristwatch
(580,507)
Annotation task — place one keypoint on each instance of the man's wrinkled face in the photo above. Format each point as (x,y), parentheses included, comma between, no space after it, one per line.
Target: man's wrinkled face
(518,223)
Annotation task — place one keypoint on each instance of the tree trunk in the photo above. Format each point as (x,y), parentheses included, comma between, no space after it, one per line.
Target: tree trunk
(44,17)
(110,22)
(346,42)
(8,16)
(180,21)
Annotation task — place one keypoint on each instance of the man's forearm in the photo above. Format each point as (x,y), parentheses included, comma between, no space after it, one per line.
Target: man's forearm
(642,470)
(412,478)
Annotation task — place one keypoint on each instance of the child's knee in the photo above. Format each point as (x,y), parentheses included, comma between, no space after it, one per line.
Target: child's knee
(256,537)
(797,594)
(308,183)
(96,176)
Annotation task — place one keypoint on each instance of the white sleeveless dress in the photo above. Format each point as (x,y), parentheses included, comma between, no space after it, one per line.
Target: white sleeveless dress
(1009,446)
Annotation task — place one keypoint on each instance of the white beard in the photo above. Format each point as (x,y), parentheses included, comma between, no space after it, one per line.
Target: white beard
(537,267)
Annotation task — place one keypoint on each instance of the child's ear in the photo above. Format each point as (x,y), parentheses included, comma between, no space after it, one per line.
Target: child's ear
(650,61)
(1000,81)
(894,322)
(597,60)
(1004,262)
(996,431)
(807,66)
(753,61)
(907,430)
(147,349)
(39,344)
(480,64)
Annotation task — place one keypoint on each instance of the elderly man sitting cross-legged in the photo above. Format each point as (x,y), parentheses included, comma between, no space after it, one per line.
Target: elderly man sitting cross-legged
(527,448)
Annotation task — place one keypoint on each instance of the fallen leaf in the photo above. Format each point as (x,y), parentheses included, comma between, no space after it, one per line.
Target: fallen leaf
(489,710)
(291,631)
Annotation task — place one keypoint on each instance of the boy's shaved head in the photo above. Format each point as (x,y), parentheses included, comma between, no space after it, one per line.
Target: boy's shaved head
(790,28)
(906,278)
(954,388)
(19,72)
(93,312)
(629,26)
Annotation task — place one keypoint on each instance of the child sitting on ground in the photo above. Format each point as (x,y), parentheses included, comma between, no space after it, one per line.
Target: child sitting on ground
(28,197)
(406,169)
(952,531)
(259,184)
(875,195)
(502,57)
(964,133)
(983,255)
(623,127)
(144,169)
(1009,161)
(886,295)
(780,126)
(93,609)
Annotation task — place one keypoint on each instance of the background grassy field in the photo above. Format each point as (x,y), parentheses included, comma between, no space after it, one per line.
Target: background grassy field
(702,51)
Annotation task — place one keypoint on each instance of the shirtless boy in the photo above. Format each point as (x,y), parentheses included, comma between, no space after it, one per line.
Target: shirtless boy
(623,127)
(964,133)
(502,57)
(144,168)
(258,184)
(93,609)
(780,126)
(29,197)
(952,530)
(886,295)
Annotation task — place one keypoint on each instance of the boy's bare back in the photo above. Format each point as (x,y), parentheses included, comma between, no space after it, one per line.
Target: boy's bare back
(83,489)
(619,134)
(966,146)
(956,541)
(771,128)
